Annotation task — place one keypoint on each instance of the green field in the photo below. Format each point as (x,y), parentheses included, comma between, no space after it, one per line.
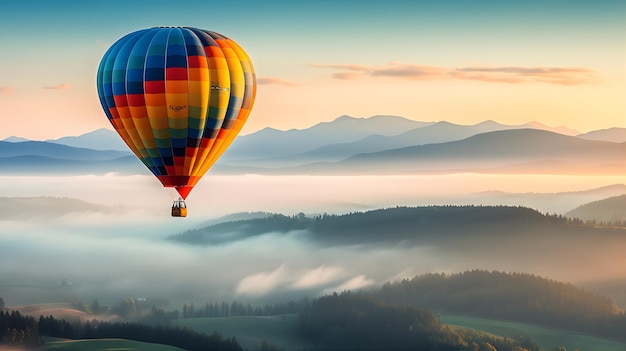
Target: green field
(107,345)
(548,339)
(251,331)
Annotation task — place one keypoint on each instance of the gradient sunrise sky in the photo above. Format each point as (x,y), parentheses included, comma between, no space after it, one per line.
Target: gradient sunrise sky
(556,62)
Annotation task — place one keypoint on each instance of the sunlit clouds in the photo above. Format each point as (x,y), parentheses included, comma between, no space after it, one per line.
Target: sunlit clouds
(550,75)
(286,278)
(62,86)
(356,283)
(275,81)
(393,69)
(504,74)
(318,276)
(263,282)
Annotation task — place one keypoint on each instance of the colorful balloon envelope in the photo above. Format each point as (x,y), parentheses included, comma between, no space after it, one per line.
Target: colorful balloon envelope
(178,97)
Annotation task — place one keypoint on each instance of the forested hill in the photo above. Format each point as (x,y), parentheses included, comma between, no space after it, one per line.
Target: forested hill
(349,321)
(433,225)
(510,296)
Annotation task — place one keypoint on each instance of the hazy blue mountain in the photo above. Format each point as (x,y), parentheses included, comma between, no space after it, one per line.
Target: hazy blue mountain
(508,151)
(514,150)
(100,139)
(40,157)
(269,142)
(609,210)
(30,164)
(47,149)
(558,129)
(14,139)
(531,149)
(439,132)
(617,135)
(285,148)
(327,141)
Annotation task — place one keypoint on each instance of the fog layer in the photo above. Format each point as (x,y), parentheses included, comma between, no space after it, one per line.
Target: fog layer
(122,252)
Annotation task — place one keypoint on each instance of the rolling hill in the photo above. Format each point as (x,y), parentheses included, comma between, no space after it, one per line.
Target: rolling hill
(617,135)
(610,211)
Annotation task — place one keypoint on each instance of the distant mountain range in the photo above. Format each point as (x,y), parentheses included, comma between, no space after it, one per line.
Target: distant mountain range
(379,144)
(47,157)
(99,139)
(55,150)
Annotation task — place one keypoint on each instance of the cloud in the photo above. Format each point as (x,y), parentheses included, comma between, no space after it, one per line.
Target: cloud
(551,75)
(319,276)
(6,89)
(262,283)
(62,86)
(275,81)
(356,283)
(505,74)
(393,69)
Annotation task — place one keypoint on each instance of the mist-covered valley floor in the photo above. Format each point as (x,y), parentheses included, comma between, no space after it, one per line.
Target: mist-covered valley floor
(105,237)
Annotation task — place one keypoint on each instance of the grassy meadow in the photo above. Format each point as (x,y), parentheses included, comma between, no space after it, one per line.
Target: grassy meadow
(547,338)
(106,345)
(250,331)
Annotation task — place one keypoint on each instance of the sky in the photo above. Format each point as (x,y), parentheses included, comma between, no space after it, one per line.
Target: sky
(555,62)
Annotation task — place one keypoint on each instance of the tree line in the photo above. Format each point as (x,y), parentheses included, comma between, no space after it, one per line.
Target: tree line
(22,330)
(236,308)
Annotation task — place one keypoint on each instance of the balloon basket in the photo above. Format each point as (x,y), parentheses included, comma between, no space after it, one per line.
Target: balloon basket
(179,208)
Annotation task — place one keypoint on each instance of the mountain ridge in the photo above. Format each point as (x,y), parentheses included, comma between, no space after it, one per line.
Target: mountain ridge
(428,147)
(611,211)
(49,149)
(491,151)
(99,139)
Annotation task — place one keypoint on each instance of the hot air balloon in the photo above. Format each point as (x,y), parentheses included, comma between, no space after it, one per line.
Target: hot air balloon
(178,97)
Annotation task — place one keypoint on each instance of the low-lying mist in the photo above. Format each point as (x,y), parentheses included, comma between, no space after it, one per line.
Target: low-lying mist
(123,252)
